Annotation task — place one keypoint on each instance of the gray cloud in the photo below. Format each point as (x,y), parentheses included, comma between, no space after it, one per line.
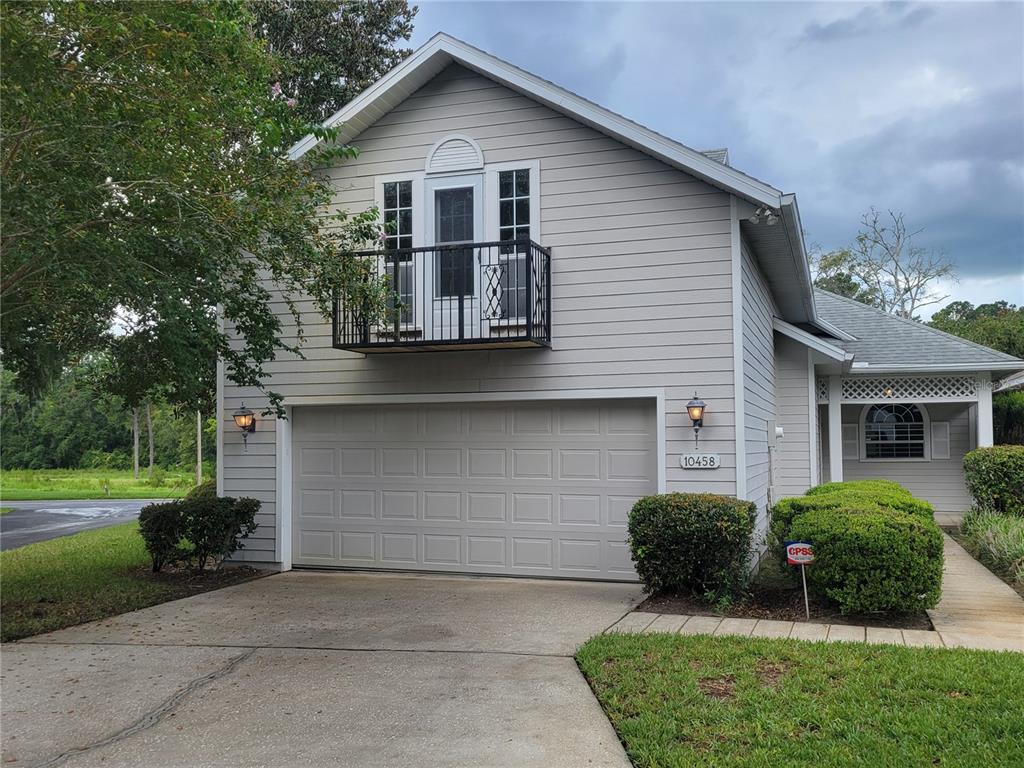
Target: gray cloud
(918,108)
(869,20)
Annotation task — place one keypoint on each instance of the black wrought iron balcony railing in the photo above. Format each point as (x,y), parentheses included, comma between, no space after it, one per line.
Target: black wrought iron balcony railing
(451,296)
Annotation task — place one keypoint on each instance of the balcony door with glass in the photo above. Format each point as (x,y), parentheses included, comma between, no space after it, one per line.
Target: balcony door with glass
(454,221)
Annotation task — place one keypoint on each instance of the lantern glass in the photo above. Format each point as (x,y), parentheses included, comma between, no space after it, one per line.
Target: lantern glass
(244,419)
(695,409)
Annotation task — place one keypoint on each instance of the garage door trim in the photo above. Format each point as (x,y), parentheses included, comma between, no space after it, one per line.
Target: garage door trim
(283,507)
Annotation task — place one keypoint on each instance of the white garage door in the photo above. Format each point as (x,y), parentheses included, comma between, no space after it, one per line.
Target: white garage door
(539,488)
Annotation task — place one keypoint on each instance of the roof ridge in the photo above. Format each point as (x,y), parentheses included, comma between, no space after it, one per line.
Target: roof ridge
(918,324)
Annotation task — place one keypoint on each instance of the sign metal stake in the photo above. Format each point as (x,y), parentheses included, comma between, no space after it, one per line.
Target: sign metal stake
(807,605)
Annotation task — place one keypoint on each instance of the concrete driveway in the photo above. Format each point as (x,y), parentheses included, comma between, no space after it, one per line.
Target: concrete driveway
(322,669)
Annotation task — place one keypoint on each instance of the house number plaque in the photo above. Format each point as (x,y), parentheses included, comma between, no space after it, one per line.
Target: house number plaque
(700,461)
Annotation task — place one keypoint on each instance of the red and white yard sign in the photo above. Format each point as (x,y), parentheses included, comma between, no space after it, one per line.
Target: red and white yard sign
(799,553)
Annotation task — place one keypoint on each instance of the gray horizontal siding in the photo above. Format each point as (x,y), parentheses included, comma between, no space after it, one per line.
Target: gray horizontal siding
(793,453)
(758,383)
(641,281)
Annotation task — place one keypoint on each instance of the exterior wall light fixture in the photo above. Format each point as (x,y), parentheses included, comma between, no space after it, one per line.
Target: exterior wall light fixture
(245,420)
(695,409)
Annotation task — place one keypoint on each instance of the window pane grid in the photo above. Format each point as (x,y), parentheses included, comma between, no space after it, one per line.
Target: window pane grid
(397,212)
(513,224)
(894,432)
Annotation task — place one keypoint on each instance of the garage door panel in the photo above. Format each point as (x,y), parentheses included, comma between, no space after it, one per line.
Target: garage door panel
(522,488)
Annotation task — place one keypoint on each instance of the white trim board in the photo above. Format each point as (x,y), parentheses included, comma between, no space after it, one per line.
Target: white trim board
(739,386)
(284,490)
(654,393)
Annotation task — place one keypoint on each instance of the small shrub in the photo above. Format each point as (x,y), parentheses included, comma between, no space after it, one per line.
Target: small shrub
(162,527)
(1008,417)
(694,543)
(215,527)
(872,560)
(995,478)
(997,540)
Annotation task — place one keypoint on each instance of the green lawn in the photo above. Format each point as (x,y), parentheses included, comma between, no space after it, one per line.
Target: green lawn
(87,576)
(43,484)
(730,701)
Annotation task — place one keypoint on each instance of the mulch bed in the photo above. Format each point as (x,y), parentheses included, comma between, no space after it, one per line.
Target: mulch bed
(772,596)
(185,581)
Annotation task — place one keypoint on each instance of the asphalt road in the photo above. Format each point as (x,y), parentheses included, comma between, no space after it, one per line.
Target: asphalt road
(32,521)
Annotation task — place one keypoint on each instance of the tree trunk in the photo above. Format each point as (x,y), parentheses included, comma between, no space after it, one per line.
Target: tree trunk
(199,448)
(149,429)
(135,441)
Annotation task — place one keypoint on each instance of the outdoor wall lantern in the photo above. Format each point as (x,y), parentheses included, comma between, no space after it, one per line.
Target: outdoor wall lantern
(695,408)
(245,420)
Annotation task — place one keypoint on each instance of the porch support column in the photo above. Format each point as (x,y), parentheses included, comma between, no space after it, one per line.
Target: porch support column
(985,434)
(835,429)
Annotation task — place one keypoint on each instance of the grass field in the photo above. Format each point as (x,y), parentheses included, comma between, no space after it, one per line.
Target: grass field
(44,484)
(738,702)
(87,576)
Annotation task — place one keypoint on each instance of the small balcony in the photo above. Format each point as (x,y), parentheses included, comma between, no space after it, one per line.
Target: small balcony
(450,297)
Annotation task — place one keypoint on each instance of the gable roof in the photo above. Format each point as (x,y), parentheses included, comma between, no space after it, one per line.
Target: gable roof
(778,249)
(884,342)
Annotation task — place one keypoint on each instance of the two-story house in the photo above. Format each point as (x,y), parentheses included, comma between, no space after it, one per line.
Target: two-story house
(569,281)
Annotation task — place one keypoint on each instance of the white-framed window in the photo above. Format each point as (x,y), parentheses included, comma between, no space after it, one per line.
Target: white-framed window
(399,201)
(894,432)
(513,213)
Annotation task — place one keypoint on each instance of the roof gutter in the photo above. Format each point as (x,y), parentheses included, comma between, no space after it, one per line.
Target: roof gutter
(1009,365)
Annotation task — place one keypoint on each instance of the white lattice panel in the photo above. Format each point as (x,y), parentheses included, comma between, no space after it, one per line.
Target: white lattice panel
(917,389)
(822,390)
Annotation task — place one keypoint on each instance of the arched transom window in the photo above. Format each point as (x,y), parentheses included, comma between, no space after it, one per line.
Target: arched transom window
(894,431)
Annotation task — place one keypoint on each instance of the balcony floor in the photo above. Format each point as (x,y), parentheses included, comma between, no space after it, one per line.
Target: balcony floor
(434,345)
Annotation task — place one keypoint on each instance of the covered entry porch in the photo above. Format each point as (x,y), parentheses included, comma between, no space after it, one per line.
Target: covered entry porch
(913,429)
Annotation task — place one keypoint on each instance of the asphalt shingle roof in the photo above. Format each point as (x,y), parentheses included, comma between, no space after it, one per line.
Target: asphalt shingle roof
(883,339)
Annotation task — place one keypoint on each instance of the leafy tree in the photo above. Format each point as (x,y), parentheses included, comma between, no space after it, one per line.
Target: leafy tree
(77,422)
(144,178)
(999,325)
(331,50)
(884,268)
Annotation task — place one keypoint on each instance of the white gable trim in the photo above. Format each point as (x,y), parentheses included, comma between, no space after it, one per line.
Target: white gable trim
(442,50)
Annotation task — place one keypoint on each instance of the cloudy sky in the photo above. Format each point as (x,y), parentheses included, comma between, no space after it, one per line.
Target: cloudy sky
(914,107)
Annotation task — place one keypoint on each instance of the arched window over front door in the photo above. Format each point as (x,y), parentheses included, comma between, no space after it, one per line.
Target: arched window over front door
(894,431)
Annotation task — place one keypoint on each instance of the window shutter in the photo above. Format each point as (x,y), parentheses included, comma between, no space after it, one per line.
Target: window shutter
(851,447)
(940,439)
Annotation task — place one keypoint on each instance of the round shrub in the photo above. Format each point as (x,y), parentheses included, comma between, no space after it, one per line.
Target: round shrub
(995,478)
(695,543)
(868,560)
(162,527)
(887,487)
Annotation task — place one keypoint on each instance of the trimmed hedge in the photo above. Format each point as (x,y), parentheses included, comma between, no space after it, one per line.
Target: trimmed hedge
(870,561)
(696,543)
(995,478)
(877,548)
(875,495)
(197,530)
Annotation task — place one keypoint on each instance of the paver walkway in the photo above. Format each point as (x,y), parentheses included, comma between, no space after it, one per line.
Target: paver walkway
(977,610)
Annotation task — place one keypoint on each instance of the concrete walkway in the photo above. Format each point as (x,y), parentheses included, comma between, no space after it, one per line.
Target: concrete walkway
(640,621)
(977,610)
